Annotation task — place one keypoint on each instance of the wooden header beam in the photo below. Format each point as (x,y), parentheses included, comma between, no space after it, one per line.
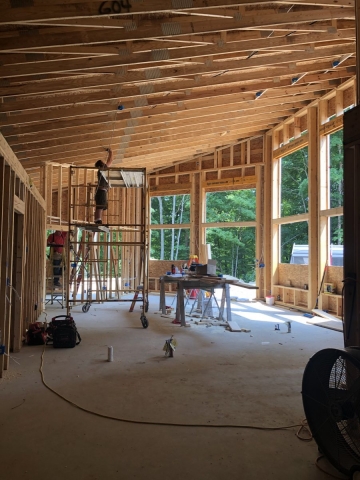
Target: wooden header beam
(13,162)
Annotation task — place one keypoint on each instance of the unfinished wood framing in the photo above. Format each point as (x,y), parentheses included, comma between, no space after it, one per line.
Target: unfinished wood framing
(107,261)
(314,120)
(22,255)
(204,103)
(313,190)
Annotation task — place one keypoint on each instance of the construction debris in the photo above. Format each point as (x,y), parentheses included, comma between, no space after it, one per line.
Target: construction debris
(234,327)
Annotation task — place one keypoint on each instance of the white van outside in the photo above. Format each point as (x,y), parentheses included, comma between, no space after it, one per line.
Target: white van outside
(300,255)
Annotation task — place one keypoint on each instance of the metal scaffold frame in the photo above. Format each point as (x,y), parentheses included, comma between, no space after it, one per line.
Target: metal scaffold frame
(108,262)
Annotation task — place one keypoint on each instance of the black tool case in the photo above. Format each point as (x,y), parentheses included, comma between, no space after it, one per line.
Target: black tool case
(63,332)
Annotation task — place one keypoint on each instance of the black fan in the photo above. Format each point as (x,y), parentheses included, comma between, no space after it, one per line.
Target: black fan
(331,399)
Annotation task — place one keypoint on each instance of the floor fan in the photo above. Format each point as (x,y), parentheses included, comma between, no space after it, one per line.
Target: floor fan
(331,399)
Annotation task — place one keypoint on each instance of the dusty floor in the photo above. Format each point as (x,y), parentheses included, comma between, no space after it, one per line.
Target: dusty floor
(216,377)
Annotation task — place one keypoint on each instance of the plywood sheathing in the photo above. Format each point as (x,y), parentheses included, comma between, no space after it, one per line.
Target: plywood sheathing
(335,275)
(298,275)
(158,268)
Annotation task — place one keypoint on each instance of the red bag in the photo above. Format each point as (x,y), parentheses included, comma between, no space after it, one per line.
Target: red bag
(36,334)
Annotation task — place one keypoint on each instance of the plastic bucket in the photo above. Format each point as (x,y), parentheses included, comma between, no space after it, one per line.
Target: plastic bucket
(270,300)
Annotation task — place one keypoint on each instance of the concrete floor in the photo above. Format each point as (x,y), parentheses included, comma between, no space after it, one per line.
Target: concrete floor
(215,377)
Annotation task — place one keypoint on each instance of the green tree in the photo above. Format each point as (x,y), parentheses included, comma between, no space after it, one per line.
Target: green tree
(170,243)
(294,183)
(232,247)
(294,200)
(336,185)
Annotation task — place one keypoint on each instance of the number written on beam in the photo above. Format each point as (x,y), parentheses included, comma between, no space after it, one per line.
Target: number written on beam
(226,182)
(107,8)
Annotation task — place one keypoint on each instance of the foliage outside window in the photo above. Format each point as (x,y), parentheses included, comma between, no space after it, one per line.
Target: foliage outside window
(336,169)
(337,230)
(233,248)
(294,234)
(231,206)
(170,209)
(336,247)
(294,183)
(170,244)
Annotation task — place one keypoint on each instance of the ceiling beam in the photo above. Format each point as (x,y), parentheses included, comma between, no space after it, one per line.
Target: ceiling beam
(58,85)
(57,10)
(139,124)
(171,28)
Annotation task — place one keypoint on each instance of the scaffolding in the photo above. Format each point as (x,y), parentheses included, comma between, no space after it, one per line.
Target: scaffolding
(108,262)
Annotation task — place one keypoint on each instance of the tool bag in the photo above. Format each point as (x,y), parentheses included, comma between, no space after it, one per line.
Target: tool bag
(62,332)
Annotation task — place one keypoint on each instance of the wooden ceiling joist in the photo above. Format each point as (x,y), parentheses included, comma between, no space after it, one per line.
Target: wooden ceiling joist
(162,81)
(57,10)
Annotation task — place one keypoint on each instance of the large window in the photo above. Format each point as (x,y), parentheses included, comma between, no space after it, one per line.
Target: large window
(335,194)
(233,247)
(231,206)
(170,243)
(170,210)
(294,243)
(294,183)
(336,248)
(336,169)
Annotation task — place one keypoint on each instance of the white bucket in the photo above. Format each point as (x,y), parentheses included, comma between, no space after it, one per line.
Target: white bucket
(270,300)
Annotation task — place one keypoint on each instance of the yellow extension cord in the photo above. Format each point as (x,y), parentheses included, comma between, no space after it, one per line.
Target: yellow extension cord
(301,426)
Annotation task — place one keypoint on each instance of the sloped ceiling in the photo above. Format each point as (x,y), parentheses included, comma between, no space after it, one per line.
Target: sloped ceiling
(161,81)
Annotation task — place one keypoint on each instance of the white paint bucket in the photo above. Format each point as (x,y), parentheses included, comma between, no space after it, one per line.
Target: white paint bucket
(270,300)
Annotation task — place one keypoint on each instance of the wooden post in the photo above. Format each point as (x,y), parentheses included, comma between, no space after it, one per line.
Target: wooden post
(193,213)
(323,192)
(267,214)
(259,230)
(59,194)
(313,232)
(275,229)
(49,191)
(18,276)
(7,260)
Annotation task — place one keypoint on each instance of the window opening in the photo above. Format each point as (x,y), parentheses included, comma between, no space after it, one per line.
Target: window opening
(233,248)
(170,243)
(231,206)
(294,183)
(294,243)
(336,165)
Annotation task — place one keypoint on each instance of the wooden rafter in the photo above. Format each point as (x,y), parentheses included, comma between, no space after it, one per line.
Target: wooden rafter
(161,81)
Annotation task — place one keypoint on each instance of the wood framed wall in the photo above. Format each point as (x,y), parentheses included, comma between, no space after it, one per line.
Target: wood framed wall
(237,166)
(252,163)
(22,254)
(310,127)
(256,162)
